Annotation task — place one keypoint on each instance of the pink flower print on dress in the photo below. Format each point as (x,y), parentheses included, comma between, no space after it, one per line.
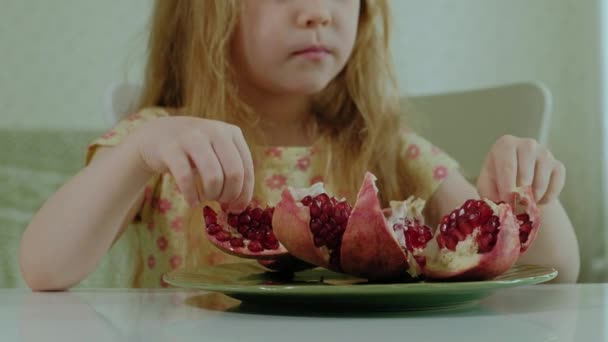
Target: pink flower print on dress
(276,182)
(304,163)
(274,152)
(436,150)
(175,261)
(151,261)
(150,226)
(162,243)
(177,224)
(164,206)
(109,134)
(440,173)
(148,194)
(413,151)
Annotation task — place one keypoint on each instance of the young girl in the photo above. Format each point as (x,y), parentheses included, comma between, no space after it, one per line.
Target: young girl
(243,98)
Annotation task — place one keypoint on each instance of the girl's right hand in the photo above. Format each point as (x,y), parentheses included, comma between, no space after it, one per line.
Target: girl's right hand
(195,150)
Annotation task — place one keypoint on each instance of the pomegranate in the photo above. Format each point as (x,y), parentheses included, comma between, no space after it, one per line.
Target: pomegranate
(479,240)
(248,234)
(310,224)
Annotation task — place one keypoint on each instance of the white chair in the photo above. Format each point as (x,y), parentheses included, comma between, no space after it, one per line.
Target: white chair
(465,124)
(121,99)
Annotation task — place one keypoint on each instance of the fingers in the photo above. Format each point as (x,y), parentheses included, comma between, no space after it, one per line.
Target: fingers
(556,183)
(248,177)
(232,166)
(178,164)
(542,174)
(514,162)
(486,185)
(206,161)
(505,163)
(527,151)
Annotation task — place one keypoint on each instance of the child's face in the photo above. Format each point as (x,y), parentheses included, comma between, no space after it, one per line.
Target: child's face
(294,47)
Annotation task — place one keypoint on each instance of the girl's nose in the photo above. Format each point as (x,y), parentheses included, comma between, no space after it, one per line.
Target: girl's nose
(313,14)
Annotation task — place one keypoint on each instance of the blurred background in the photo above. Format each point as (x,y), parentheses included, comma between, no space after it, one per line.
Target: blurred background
(60,57)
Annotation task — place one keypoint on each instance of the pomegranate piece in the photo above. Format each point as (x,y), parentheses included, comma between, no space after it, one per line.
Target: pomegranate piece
(370,246)
(310,224)
(248,234)
(528,216)
(477,241)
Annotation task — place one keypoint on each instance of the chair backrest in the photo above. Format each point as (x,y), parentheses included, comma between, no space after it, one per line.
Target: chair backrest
(121,100)
(466,124)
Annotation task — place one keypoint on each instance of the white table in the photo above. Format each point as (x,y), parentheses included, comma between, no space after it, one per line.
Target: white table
(535,313)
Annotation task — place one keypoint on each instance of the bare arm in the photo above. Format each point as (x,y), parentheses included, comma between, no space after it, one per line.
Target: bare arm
(555,245)
(73,230)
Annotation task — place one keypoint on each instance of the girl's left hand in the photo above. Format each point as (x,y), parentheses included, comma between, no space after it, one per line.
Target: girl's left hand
(514,162)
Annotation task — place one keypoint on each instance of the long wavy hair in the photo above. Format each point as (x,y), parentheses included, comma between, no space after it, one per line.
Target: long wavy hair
(357,114)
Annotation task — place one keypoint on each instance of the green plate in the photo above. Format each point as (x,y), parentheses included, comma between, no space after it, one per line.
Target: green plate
(319,287)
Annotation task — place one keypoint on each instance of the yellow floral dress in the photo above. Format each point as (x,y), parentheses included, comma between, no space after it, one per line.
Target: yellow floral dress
(159,231)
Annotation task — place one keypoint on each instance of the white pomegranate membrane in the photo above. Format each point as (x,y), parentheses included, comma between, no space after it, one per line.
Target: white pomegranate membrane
(479,240)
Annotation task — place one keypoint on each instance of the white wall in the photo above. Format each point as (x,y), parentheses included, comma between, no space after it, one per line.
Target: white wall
(59,56)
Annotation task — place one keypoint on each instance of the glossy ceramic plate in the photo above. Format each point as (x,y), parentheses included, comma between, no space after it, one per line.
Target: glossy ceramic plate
(321,288)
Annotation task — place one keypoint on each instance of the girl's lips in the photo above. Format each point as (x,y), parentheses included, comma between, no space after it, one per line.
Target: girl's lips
(313,52)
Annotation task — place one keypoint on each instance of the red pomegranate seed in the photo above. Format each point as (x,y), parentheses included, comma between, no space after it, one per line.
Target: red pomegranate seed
(469,204)
(223,236)
(267,216)
(213,229)
(341,217)
(210,219)
(323,198)
(450,242)
(485,243)
(526,228)
(307,200)
(315,210)
(256,214)
(255,246)
(441,241)
(474,217)
(233,220)
(237,242)
(465,227)
(207,211)
(485,212)
(315,226)
(488,227)
(243,229)
(458,235)
(244,218)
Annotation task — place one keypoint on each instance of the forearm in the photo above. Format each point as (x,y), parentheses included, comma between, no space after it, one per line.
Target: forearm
(556,244)
(71,232)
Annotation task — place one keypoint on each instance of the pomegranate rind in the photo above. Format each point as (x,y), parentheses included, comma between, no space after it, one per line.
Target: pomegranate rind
(369,248)
(466,263)
(291,226)
(242,252)
(524,196)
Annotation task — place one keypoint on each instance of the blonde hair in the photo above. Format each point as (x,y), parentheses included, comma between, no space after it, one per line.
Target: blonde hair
(358,114)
